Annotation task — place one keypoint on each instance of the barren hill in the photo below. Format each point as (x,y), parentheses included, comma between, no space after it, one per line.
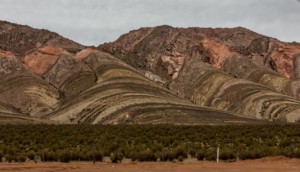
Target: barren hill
(234,70)
(150,75)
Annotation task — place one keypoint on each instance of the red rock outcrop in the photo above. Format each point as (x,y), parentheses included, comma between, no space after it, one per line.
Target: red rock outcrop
(283,57)
(42,59)
(217,52)
(7,54)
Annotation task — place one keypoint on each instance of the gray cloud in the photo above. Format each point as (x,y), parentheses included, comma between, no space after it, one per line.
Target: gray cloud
(92,22)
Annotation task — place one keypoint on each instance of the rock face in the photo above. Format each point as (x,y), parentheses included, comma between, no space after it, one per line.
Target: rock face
(173,63)
(234,70)
(296,63)
(217,52)
(148,76)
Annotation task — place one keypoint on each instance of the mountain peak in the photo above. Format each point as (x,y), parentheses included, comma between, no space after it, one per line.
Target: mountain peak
(22,39)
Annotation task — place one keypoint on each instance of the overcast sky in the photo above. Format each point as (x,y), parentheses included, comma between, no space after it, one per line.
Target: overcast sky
(91,22)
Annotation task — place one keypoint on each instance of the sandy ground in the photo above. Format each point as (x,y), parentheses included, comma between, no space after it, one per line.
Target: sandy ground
(275,164)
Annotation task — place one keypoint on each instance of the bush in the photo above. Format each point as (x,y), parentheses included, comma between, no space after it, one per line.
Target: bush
(170,156)
(288,152)
(211,154)
(201,154)
(30,155)
(247,154)
(43,154)
(180,151)
(163,155)
(227,154)
(64,156)
(46,155)
(94,155)
(180,158)
(133,156)
(115,158)
(1,155)
(250,154)
(297,153)
(21,158)
(10,158)
(147,155)
(193,153)
(99,155)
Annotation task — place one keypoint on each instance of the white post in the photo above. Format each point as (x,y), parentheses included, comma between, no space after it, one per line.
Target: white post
(218,153)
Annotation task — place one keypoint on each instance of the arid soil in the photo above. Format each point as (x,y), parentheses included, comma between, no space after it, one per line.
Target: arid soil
(274,164)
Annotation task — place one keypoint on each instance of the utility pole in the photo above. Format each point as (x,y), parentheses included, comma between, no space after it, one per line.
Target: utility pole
(218,153)
(162,154)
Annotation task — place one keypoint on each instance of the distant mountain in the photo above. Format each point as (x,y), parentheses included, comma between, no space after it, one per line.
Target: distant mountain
(148,76)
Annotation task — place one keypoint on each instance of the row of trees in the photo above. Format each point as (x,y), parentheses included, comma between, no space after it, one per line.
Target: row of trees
(146,142)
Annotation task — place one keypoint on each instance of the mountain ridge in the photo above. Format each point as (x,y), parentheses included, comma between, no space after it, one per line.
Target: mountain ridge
(150,75)
(261,60)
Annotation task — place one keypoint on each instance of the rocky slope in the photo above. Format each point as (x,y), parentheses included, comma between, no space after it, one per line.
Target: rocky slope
(120,94)
(47,78)
(235,70)
(151,75)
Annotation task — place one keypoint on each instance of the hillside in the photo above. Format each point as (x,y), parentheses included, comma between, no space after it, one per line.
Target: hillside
(148,76)
(234,70)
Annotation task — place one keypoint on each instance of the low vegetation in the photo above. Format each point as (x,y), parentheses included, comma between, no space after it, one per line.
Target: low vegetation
(67,143)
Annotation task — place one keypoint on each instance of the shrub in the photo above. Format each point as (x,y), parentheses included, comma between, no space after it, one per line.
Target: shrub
(47,155)
(180,158)
(94,155)
(99,155)
(227,154)
(64,156)
(163,155)
(288,152)
(201,155)
(43,155)
(180,151)
(147,155)
(1,155)
(250,154)
(133,156)
(10,158)
(297,153)
(243,154)
(211,154)
(30,155)
(115,158)
(193,153)
(170,156)
(21,158)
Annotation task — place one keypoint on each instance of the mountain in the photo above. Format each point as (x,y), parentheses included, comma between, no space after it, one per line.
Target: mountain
(151,75)
(233,70)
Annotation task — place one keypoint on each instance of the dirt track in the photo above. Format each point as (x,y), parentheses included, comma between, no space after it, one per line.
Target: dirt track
(275,164)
